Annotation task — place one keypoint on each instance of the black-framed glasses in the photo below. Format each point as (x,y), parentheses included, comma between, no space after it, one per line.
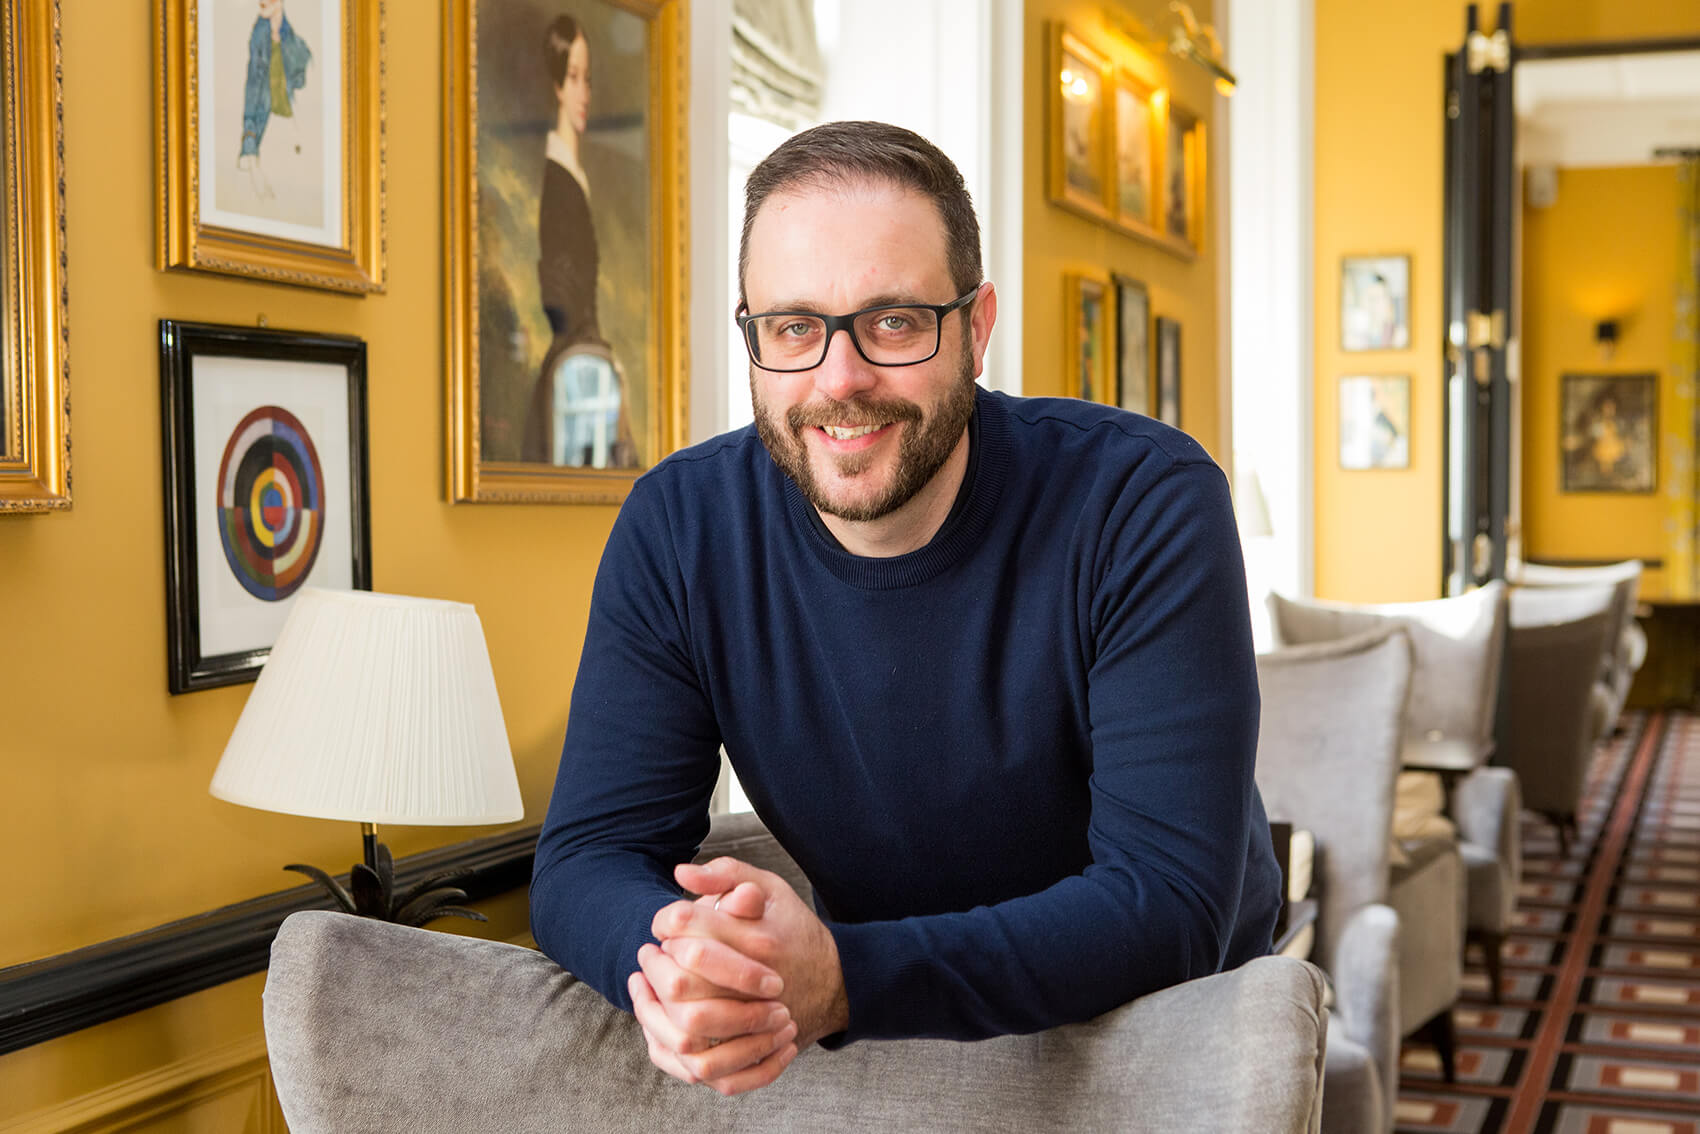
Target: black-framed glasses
(892,334)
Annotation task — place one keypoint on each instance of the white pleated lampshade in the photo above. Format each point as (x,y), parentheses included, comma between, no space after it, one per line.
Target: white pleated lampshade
(376,708)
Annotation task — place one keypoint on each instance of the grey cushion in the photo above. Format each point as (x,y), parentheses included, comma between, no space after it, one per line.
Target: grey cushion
(375,1027)
(1427,892)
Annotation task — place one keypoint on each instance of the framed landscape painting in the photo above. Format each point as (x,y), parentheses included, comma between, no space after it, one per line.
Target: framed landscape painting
(1078,137)
(565,246)
(1086,357)
(1169,371)
(271,139)
(1133,345)
(265,488)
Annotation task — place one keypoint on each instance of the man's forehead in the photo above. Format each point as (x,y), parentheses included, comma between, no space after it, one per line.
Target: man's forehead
(860,218)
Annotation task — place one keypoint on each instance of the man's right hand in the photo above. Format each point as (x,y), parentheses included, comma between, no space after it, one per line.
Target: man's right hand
(720,1022)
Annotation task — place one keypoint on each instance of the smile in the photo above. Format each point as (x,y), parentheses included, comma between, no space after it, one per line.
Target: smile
(849,432)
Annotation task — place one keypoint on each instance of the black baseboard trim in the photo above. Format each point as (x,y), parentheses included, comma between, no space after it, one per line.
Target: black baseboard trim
(45,999)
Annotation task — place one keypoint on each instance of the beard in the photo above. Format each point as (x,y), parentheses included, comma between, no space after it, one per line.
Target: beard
(925,445)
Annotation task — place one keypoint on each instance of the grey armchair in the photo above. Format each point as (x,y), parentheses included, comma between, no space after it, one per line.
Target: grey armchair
(1327,754)
(1460,644)
(1626,642)
(373,1028)
(1555,706)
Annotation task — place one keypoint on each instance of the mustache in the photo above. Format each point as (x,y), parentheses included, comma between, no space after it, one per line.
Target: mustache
(862,411)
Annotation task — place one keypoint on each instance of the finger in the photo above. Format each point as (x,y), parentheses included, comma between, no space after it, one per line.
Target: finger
(736,1055)
(691,1026)
(760,1075)
(720,875)
(689,919)
(652,1017)
(673,981)
(723,967)
(746,900)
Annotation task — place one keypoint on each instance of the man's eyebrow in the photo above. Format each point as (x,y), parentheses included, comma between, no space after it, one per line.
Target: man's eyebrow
(809,307)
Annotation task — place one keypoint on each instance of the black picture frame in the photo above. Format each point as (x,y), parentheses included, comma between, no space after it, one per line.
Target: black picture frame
(1133,387)
(285,414)
(1168,371)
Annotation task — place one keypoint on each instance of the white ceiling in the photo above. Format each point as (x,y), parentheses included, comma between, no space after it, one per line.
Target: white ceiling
(1608,110)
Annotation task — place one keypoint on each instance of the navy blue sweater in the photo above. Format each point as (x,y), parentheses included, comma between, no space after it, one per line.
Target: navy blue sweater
(1016,764)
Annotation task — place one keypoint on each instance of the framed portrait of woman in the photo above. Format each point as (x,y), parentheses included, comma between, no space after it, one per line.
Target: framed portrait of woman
(565,177)
(35,446)
(271,139)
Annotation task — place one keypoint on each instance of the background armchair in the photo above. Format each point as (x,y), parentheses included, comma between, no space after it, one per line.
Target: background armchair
(1626,642)
(1327,755)
(373,1027)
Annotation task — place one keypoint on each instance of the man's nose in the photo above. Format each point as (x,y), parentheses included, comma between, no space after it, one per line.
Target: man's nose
(843,373)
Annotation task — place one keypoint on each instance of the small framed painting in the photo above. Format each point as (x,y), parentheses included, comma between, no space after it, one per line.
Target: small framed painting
(1081,177)
(1087,364)
(1184,178)
(265,488)
(1169,371)
(271,128)
(1375,421)
(1609,434)
(1136,154)
(1375,302)
(1133,345)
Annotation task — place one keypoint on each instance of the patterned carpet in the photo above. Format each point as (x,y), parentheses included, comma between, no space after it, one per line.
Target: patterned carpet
(1599,1032)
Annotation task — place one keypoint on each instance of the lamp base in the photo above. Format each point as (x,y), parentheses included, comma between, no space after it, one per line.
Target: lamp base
(371,890)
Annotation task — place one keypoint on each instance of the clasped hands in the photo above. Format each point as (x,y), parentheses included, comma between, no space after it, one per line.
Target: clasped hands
(745,977)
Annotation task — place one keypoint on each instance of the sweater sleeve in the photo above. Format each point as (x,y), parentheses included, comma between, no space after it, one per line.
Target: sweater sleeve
(637,768)
(1173,710)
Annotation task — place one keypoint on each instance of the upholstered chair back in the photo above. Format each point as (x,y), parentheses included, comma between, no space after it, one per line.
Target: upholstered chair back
(1458,644)
(1327,755)
(1556,639)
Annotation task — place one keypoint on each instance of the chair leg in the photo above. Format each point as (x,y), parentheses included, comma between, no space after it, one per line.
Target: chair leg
(1558,822)
(1440,1032)
(1492,944)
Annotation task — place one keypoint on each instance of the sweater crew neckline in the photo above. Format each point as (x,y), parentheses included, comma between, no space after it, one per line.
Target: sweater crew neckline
(958,537)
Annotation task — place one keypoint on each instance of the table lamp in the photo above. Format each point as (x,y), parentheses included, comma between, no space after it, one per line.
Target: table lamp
(376,708)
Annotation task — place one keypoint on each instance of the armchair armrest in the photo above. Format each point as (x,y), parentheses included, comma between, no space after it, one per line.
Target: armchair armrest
(378,1027)
(1366,992)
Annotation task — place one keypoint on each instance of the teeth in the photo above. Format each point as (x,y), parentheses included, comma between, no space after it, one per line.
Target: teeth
(841,433)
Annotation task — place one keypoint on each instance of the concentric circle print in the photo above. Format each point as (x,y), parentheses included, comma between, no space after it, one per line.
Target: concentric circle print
(271,503)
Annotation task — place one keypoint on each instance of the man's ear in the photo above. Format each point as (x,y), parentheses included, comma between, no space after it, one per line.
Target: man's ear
(983,313)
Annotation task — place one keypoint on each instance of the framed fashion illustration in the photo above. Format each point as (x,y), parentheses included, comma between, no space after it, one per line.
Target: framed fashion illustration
(1375,302)
(1375,421)
(271,139)
(265,488)
(566,175)
(35,445)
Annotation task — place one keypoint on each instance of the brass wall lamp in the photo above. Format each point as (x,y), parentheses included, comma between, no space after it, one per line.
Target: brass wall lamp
(1199,43)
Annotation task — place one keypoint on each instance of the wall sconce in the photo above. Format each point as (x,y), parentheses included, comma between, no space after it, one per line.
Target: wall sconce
(1198,43)
(1605,337)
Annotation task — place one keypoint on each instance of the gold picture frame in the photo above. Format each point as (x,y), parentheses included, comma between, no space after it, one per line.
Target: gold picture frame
(1086,357)
(1081,134)
(292,195)
(527,419)
(35,438)
(1136,111)
(1185,179)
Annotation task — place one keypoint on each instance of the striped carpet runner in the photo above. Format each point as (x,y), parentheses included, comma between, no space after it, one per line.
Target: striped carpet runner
(1599,1032)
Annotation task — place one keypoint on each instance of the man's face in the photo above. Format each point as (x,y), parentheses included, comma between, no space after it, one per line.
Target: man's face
(860,440)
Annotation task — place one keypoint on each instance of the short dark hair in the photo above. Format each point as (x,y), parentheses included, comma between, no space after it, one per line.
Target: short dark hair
(846,152)
(563,32)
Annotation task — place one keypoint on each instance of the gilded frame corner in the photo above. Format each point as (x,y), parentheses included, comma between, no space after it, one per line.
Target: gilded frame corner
(35,424)
(471,477)
(186,241)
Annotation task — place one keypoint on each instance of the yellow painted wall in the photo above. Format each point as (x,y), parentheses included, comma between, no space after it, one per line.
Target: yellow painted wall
(1058,242)
(1379,159)
(108,825)
(1605,249)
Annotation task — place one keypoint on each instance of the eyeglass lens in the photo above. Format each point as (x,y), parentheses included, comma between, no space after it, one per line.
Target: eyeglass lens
(891,336)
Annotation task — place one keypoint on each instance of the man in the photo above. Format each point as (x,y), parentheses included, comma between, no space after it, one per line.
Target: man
(983,665)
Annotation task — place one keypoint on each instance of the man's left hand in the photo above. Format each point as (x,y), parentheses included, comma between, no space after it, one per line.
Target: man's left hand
(760,919)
